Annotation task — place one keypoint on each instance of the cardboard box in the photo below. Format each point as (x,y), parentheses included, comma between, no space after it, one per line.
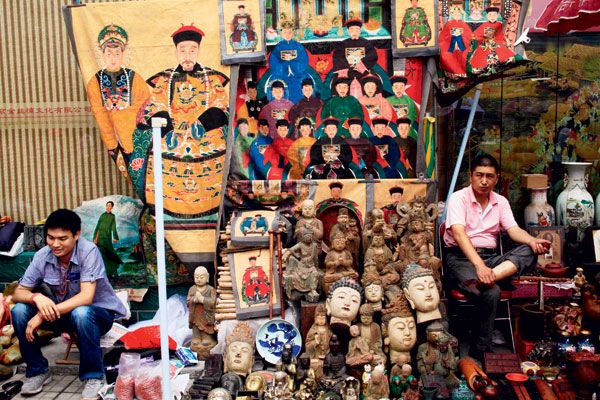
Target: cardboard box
(534,181)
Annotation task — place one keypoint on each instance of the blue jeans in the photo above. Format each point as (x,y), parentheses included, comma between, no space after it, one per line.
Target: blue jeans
(88,322)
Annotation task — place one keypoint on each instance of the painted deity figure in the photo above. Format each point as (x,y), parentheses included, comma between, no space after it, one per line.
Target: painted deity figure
(243,36)
(371,333)
(372,283)
(346,225)
(239,350)
(400,331)
(343,301)
(378,386)
(302,276)
(358,349)
(378,226)
(201,300)
(116,93)
(415,29)
(421,291)
(379,253)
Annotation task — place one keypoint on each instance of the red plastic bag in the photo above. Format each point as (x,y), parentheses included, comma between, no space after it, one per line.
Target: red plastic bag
(147,337)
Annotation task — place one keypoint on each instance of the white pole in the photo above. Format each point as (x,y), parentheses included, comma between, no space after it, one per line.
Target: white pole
(157,123)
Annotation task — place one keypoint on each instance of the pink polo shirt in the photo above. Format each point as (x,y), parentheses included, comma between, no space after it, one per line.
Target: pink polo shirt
(482,226)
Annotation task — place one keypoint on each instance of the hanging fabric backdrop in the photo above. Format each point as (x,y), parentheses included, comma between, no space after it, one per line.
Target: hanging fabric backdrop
(141,60)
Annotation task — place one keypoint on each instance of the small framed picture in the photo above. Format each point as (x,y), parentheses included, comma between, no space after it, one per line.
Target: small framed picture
(255,285)
(415,28)
(251,228)
(242,27)
(556,236)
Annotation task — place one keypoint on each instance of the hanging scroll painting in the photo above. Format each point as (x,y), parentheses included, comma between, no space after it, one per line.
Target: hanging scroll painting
(242,27)
(157,58)
(415,28)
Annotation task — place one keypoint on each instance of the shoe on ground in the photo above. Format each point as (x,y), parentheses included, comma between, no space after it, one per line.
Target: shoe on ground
(498,338)
(35,384)
(92,388)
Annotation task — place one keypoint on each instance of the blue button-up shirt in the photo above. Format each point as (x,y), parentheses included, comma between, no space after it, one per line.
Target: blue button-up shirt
(86,265)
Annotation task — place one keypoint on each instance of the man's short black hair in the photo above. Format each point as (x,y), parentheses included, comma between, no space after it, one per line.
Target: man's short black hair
(484,160)
(112,203)
(63,219)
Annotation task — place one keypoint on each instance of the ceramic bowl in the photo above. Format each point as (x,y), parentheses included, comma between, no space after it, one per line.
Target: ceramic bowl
(275,334)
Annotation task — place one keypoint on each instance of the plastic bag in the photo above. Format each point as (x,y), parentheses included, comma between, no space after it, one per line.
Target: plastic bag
(129,364)
(148,382)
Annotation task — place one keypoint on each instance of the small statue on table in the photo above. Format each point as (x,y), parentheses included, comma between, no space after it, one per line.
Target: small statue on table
(579,280)
(378,226)
(279,388)
(417,246)
(358,349)
(338,262)
(350,389)
(289,364)
(304,371)
(302,275)
(347,227)
(256,384)
(319,335)
(371,281)
(335,362)
(201,300)
(308,220)
(379,252)
(378,386)
(371,332)
(401,383)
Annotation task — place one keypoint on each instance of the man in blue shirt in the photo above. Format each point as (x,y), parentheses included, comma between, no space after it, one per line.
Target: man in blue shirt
(65,289)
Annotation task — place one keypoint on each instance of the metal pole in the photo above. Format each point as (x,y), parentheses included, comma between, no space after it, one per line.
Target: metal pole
(463,146)
(157,123)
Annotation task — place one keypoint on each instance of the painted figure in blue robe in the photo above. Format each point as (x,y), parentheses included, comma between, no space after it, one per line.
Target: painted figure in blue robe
(254,225)
(388,154)
(288,63)
(258,167)
(243,37)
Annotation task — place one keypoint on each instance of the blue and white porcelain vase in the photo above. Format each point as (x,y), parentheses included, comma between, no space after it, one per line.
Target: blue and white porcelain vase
(539,212)
(575,205)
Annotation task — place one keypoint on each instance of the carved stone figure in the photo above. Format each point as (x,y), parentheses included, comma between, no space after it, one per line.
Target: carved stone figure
(358,349)
(338,262)
(371,332)
(373,288)
(289,363)
(378,226)
(421,291)
(319,334)
(201,300)
(378,252)
(239,350)
(346,226)
(417,246)
(378,386)
(386,273)
(400,331)
(413,391)
(308,220)
(343,301)
(335,362)
(302,276)
(417,209)
(447,363)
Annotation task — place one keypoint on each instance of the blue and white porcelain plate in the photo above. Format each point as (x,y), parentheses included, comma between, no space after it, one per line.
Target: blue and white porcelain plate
(275,334)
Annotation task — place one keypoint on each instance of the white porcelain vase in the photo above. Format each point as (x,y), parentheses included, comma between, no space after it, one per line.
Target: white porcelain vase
(539,212)
(575,205)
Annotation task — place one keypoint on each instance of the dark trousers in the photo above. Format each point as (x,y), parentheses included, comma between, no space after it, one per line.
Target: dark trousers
(461,270)
(88,322)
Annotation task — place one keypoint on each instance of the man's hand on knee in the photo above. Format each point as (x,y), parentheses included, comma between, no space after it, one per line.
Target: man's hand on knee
(32,327)
(48,309)
(485,275)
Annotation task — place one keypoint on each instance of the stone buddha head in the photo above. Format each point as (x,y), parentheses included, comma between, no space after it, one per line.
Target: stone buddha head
(239,350)
(421,292)
(343,300)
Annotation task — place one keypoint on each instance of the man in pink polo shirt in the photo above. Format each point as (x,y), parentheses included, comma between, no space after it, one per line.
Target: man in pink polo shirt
(474,219)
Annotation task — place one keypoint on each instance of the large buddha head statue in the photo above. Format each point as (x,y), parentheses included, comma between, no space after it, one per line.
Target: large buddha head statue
(239,350)
(421,292)
(343,301)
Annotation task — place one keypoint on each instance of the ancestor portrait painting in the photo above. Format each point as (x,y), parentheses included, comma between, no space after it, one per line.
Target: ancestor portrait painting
(242,31)
(141,60)
(414,27)
(252,227)
(255,283)
(556,236)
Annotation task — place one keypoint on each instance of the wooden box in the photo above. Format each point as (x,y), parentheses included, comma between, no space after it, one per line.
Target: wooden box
(534,181)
